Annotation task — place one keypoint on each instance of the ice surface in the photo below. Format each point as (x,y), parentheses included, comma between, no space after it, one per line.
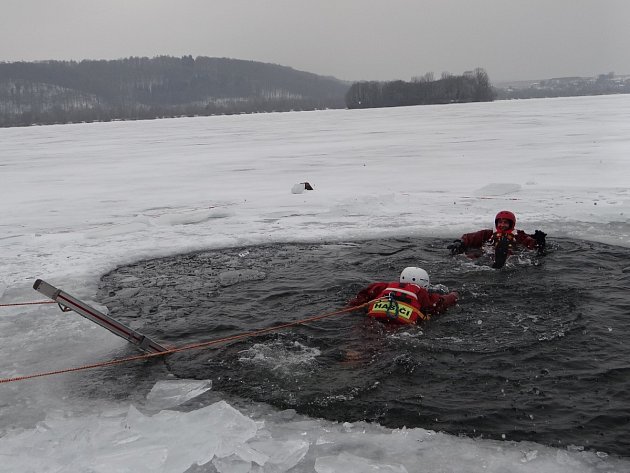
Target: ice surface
(165,442)
(495,189)
(349,463)
(79,200)
(298,188)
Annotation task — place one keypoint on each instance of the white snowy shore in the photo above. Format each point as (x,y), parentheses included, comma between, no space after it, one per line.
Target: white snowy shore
(79,200)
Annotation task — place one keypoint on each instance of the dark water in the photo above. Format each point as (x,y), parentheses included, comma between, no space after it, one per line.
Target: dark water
(536,351)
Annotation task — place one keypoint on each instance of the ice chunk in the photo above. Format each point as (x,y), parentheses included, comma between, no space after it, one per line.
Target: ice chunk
(191,437)
(234,428)
(171,393)
(283,454)
(349,463)
(169,441)
(232,464)
(248,454)
(151,457)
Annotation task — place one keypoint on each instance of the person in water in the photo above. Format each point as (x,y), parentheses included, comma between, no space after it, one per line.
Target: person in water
(407,301)
(503,242)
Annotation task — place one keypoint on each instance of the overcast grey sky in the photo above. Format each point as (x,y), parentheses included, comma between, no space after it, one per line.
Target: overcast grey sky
(348,39)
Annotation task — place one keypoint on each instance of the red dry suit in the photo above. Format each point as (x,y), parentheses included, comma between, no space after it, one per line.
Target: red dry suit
(509,238)
(402,302)
(476,240)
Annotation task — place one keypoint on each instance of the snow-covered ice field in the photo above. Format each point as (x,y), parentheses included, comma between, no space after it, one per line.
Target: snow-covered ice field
(79,200)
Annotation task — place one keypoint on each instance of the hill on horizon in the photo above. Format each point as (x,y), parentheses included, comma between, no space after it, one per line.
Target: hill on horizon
(140,87)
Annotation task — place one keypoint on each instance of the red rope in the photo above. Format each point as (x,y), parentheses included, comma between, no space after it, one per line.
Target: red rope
(27,303)
(193,346)
(489,198)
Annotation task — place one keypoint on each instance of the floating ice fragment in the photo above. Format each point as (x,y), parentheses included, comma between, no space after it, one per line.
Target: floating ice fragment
(171,393)
(575,448)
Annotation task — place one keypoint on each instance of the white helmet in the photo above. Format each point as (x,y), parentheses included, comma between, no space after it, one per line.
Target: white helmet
(415,275)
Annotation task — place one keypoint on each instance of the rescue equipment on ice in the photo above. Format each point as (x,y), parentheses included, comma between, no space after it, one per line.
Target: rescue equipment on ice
(67,303)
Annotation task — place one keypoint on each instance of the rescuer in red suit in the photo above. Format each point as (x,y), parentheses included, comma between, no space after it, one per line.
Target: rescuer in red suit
(505,240)
(407,301)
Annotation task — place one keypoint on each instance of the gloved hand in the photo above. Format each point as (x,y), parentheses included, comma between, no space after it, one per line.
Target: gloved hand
(438,289)
(451,298)
(501,253)
(540,241)
(457,247)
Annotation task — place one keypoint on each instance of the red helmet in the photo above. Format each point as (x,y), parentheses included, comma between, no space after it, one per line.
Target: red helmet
(506,214)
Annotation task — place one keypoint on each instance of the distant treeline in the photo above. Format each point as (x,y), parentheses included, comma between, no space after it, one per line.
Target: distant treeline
(50,92)
(603,84)
(139,88)
(472,86)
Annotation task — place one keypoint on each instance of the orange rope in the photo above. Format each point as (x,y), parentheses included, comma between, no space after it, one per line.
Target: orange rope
(193,346)
(27,303)
(489,198)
